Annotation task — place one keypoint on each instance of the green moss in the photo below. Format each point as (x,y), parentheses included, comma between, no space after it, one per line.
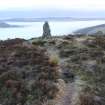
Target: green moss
(39,42)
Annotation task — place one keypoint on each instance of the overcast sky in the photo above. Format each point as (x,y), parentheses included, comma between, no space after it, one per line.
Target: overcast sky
(97,6)
(51,4)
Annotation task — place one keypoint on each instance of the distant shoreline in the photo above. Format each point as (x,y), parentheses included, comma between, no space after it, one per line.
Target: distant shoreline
(51,19)
(6,25)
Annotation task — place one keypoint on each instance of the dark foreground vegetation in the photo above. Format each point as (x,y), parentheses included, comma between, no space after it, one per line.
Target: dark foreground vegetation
(27,75)
(31,71)
(83,63)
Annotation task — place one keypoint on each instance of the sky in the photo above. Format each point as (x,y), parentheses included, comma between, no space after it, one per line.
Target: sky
(51,4)
(92,7)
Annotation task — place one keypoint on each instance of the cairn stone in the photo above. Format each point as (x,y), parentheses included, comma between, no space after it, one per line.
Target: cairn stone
(46,30)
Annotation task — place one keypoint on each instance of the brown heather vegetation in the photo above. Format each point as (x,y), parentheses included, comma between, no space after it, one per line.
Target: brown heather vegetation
(29,73)
(26,75)
(83,64)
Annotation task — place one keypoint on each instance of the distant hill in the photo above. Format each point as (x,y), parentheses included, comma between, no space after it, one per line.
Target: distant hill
(5,25)
(91,30)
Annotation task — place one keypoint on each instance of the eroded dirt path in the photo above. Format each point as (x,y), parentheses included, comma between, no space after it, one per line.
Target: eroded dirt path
(65,99)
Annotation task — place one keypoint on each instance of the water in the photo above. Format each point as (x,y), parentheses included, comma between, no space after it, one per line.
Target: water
(34,29)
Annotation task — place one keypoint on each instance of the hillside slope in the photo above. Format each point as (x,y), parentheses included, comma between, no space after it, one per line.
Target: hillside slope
(82,61)
(6,25)
(91,30)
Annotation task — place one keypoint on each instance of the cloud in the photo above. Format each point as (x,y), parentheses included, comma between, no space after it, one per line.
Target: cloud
(53,4)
